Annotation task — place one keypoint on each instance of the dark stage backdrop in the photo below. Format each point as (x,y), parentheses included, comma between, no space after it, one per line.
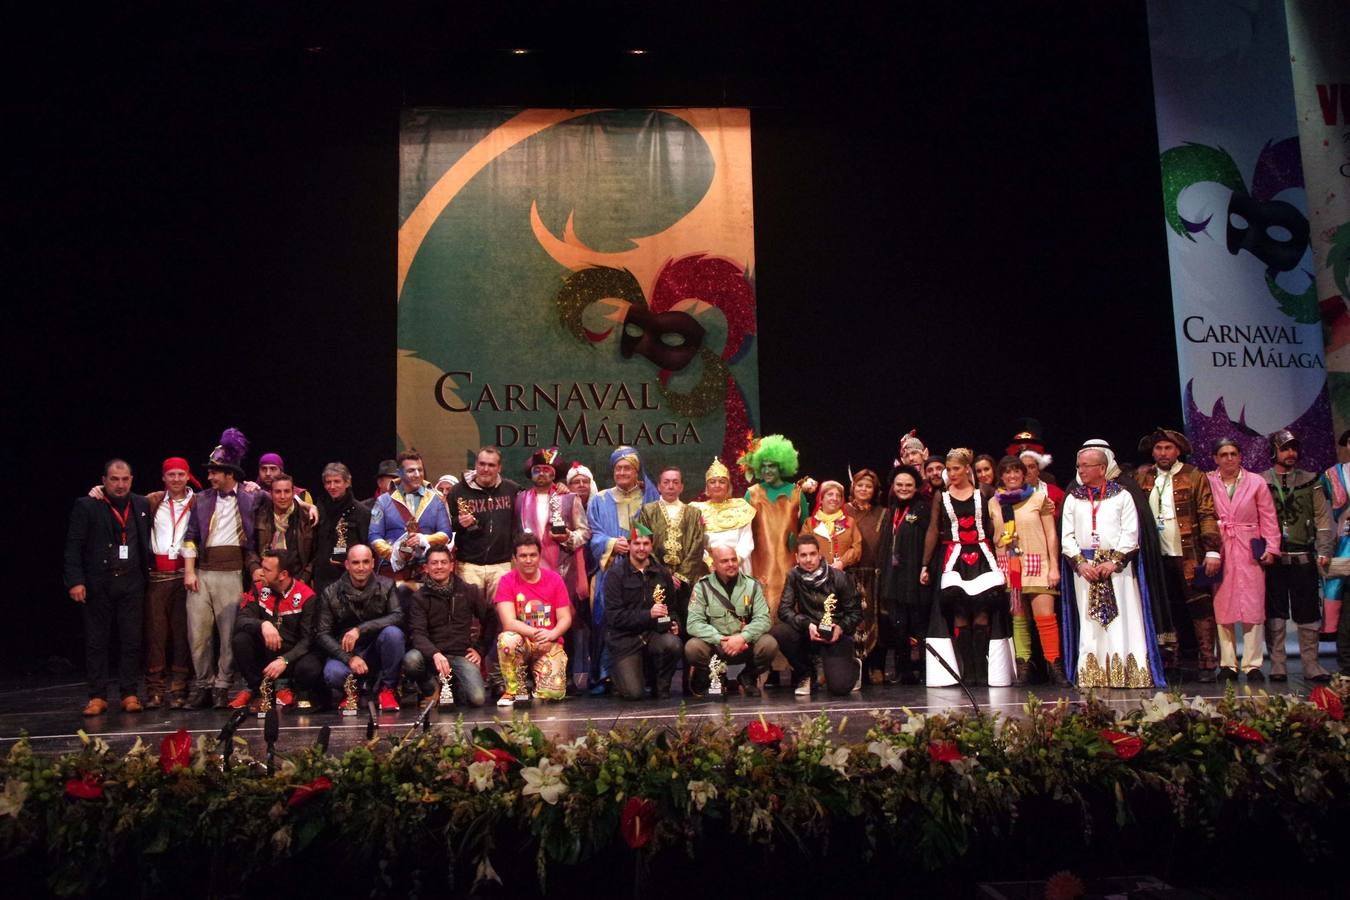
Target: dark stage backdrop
(956,221)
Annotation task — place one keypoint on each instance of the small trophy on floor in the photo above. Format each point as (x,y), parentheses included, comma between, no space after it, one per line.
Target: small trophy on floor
(826,626)
(447,697)
(350,699)
(265,698)
(717,667)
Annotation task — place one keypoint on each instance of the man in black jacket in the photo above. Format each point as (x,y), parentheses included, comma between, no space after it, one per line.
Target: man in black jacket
(799,633)
(343,521)
(639,629)
(106,560)
(440,622)
(275,624)
(359,616)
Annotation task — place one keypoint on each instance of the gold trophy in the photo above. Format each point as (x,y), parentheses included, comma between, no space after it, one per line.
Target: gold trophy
(447,696)
(409,548)
(349,697)
(265,697)
(659,596)
(339,554)
(462,506)
(826,626)
(717,667)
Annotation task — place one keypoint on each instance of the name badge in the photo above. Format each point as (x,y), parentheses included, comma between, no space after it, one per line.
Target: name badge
(124,552)
(173,553)
(1096,540)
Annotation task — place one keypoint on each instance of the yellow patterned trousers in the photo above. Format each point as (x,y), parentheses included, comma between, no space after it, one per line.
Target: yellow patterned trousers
(549,660)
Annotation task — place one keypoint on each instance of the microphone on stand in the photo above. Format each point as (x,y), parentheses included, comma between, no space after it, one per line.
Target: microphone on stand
(371,723)
(270,731)
(952,672)
(226,736)
(322,742)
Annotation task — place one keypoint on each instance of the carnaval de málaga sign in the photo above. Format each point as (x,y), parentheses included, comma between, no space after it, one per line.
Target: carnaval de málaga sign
(579,278)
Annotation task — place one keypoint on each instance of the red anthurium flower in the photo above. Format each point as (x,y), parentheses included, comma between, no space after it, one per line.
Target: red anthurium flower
(175,751)
(1238,731)
(306,792)
(499,758)
(944,751)
(89,786)
(1325,699)
(1126,746)
(637,821)
(763,733)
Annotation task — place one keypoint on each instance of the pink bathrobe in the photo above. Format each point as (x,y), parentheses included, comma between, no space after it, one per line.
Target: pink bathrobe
(1241,596)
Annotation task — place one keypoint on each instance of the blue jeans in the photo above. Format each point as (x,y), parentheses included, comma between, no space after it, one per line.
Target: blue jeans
(383,654)
(467,679)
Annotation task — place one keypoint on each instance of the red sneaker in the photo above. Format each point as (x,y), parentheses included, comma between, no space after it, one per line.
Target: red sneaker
(241,699)
(388,702)
(285,697)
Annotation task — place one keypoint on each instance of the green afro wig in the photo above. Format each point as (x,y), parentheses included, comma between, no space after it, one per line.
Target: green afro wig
(772,448)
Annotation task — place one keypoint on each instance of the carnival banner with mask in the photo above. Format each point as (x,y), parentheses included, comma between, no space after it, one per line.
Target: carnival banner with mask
(1319,55)
(1246,321)
(579,278)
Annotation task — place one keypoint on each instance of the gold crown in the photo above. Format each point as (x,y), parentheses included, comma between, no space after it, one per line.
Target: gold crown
(716,470)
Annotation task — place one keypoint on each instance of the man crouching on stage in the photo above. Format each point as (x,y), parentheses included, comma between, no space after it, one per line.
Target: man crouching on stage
(729,617)
(440,628)
(359,616)
(799,632)
(535,612)
(639,629)
(275,621)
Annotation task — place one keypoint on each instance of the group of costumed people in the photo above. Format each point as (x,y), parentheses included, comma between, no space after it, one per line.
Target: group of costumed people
(961,568)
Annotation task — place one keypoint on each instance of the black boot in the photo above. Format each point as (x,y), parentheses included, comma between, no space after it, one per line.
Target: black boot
(980,653)
(965,655)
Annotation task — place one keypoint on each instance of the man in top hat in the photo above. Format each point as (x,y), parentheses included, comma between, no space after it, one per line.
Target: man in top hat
(1182,504)
(407,522)
(1306,545)
(385,476)
(106,557)
(270,465)
(219,551)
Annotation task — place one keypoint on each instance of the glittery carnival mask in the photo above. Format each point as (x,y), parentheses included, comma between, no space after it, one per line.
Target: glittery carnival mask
(669,339)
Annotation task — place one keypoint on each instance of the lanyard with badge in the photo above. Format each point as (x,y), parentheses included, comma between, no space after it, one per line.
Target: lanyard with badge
(1159,491)
(173,526)
(123,551)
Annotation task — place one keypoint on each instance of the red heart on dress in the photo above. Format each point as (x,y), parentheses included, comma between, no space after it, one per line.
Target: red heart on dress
(969,558)
(967,536)
(966,521)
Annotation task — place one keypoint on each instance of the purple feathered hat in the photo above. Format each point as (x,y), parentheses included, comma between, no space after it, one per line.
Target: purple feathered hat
(229,453)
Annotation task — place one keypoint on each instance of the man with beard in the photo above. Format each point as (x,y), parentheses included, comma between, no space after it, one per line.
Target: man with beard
(639,630)
(407,522)
(359,618)
(440,626)
(274,624)
(800,631)
(1306,545)
(270,465)
(342,523)
(280,524)
(1182,503)
(483,509)
(933,469)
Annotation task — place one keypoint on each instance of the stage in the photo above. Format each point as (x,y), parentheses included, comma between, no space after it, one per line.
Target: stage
(48,710)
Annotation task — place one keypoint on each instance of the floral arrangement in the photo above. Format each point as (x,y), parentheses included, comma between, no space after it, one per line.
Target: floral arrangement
(452,804)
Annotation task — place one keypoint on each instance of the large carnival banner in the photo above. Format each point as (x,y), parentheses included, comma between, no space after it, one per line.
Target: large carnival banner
(579,278)
(1319,55)
(1247,325)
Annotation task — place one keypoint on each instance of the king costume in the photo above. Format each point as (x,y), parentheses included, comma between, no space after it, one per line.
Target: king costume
(727,523)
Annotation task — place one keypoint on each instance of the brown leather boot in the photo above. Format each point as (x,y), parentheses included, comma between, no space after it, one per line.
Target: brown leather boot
(1206,635)
(1023,673)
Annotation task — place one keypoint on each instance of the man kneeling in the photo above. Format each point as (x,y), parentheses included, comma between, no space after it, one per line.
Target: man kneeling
(639,630)
(729,618)
(275,620)
(799,633)
(440,625)
(359,617)
(535,613)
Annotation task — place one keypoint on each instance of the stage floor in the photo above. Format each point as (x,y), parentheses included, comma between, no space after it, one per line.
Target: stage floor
(49,712)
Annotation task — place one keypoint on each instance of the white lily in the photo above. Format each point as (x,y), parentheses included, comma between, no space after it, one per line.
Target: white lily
(1159,708)
(914,724)
(571,749)
(700,792)
(837,760)
(1204,707)
(11,801)
(480,774)
(545,780)
(888,755)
